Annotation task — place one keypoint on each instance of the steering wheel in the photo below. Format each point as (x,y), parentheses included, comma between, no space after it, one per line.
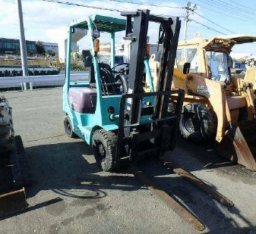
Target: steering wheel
(121,68)
(121,80)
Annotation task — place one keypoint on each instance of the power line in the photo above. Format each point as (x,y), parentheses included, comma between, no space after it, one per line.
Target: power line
(208,27)
(87,6)
(148,4)
(243,6)
(186,18)
(116,10)
(224,8)
(187,15)
(220,11)
(81,5)
(235,6)
(213,22)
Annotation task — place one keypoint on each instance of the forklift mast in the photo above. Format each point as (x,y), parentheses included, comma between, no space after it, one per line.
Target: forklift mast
(136,31)
(146,124)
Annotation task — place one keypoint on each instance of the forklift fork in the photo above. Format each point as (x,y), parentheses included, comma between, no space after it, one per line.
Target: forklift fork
(158,133)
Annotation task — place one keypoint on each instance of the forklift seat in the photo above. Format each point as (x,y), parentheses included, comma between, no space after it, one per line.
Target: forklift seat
(82,100)
(105,73)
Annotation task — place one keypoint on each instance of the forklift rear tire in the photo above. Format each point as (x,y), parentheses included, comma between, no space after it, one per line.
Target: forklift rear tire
(68,128)
(104,145)
(197,123)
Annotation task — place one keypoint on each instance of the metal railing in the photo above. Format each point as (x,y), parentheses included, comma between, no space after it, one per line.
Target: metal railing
(29,82)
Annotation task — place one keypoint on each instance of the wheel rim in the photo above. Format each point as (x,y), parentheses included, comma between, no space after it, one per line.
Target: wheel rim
(101,153)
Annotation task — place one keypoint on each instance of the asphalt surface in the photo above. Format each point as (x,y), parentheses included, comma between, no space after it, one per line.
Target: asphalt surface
(70,195)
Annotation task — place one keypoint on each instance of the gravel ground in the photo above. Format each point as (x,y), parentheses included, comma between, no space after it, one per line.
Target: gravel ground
(70,195)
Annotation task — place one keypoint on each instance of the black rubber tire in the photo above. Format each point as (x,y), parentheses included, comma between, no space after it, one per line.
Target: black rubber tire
(197,123)
(68,128)
(20,166)
(104,145)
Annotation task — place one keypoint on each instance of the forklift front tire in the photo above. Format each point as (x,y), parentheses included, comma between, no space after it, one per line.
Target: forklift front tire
(68,128)
(104,145)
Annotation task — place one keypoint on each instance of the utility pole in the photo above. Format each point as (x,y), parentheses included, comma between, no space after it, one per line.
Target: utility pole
(23,46)
(190,8)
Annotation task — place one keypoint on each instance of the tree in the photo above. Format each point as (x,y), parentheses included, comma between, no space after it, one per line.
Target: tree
(40,48)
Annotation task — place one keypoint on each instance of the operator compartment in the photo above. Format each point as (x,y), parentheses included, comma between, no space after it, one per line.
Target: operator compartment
(82,100)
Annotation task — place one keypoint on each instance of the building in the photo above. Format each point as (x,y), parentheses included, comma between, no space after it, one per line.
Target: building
(12,47)
(51,48)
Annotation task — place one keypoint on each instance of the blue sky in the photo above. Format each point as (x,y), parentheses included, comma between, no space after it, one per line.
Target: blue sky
(47,21)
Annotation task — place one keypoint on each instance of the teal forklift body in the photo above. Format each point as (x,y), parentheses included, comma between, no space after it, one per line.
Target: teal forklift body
(112,112)
(105,115)
(84,124)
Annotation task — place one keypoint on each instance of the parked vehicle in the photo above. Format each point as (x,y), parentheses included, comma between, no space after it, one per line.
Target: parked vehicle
(217,104)
(14,171)
(122,123)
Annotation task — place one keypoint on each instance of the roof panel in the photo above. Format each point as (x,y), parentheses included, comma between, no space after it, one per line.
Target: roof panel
(105,23)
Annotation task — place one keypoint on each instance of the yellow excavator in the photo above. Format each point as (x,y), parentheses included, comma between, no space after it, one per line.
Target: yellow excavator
(216,105)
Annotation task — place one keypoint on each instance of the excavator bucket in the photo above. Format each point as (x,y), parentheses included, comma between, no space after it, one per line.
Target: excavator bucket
(12,202)
(14,175)
(239,144)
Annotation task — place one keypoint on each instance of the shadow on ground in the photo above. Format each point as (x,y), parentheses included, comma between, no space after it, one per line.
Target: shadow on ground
(217,218)
(65,166)
(208,158)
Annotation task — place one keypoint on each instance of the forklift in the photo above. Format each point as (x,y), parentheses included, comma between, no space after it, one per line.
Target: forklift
(123,124)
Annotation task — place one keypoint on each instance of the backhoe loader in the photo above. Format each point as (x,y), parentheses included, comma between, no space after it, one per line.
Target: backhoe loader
(216,104)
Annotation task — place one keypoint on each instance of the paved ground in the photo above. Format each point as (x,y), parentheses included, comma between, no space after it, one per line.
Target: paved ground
(70,194)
